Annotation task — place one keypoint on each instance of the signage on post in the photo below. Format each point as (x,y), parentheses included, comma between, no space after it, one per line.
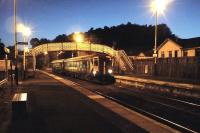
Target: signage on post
(22,43)
(7,51)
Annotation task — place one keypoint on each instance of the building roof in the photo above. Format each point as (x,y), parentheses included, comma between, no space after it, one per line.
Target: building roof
(149,53)
(188,43)
(184,43)
(167,41)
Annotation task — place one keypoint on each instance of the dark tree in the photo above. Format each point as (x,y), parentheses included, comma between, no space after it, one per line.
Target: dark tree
(2,52)
(61,38)
(133,38)
(35,42)
(44,40)
(11,56)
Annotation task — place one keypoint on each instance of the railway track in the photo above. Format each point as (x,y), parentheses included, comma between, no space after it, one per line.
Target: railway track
(149,114)
(185,106)
(183,115)
(195,102)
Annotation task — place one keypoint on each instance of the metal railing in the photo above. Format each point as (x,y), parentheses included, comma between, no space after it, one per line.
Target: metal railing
(120,56)
(72,46)
(127,64)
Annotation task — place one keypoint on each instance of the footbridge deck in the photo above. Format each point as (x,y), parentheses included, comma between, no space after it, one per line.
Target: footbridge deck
(121,58)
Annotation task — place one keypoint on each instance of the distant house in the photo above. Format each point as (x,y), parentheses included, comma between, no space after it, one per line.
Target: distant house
(143,55)
(179,48)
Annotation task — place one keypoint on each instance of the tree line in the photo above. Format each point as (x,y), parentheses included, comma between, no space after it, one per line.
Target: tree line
(2,53)
(132,38)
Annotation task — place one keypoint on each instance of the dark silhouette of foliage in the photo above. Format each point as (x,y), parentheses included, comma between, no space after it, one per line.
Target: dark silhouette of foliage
(11,55)
(34,42)
(2,52)
(61,38)
(44,41)
(71,38)
(132,38)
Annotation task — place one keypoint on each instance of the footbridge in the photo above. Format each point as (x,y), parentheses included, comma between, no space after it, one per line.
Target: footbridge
(120,57)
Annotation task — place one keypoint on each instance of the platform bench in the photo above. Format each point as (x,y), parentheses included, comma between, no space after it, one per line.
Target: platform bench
(19,105)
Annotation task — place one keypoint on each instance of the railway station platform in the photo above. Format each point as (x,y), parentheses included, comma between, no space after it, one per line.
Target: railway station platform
(57,105)
(54,108)
(183,87)
(190,84)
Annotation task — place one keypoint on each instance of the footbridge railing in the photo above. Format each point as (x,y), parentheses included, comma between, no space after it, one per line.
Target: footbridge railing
(120,56)
(125,63)
(71,46)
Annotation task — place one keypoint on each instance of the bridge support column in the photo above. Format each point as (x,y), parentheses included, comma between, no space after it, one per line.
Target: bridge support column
(34,61)
(46,60)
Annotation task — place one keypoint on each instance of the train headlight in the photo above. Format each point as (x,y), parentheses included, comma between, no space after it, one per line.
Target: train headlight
(94,73)
(110,71)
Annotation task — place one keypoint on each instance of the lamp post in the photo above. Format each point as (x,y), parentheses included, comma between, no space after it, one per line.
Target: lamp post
(61,52)
(78,38)
(46,56)
(156,35)
(7,51)
(90,43)
(15,43)
(26,32)
(158,7)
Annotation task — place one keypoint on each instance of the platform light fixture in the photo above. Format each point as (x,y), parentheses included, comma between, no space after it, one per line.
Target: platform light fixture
(158,7)
(45,52)
(26,32)
(78,38)
(110,71)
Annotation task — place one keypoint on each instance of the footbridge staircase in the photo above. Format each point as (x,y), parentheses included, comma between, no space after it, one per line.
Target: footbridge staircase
(124,62)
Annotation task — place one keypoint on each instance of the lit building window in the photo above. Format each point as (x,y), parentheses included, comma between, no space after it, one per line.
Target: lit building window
(170,54)
(162,54)
(176,53)
(197,52)
(185,53)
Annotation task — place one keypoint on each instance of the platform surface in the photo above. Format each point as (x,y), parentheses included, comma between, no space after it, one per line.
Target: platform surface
(55,108)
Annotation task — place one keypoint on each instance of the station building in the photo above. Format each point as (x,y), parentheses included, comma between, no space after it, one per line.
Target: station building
(179,48)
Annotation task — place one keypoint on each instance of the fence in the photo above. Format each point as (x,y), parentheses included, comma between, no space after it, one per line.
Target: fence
(185,67)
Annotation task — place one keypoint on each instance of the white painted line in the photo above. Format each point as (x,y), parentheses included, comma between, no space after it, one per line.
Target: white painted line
(95,97)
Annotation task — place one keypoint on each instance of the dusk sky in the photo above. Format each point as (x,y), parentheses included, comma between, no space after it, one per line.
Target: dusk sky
(49,18)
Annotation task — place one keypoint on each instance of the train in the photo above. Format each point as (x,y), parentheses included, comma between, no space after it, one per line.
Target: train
(96,68)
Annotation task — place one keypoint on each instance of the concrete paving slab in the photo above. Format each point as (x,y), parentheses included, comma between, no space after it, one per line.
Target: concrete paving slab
(126,119)
(55,108)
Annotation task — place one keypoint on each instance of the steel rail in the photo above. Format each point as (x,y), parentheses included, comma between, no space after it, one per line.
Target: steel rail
(163,97)
(142,111)
(170,123)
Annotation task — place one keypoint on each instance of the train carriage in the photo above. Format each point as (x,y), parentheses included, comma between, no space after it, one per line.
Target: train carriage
(57,66)
(96,68)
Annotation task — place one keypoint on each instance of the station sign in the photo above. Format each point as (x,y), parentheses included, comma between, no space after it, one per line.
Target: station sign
(22,43)
(155,55)
(7,51)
